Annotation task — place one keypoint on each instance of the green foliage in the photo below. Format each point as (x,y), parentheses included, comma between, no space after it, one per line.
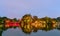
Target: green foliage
(27,19)
(58,18)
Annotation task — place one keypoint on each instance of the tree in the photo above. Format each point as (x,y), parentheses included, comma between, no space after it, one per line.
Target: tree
(14,19)
(26,23)
(35,17)
(27,18)
(58,18)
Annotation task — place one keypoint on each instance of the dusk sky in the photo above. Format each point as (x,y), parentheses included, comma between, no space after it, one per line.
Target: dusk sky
(40,8)
(18,8)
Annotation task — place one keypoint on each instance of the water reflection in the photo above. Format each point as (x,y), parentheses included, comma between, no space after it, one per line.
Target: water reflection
(29,24)
(28,30)
(18,32)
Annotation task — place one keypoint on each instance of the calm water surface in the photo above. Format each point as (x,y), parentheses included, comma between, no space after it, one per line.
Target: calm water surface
(18,32)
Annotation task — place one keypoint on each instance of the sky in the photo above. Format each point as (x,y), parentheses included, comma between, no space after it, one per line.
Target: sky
(18,8)
(40,8)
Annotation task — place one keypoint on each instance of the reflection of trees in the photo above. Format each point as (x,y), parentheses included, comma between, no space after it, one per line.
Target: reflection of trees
(47,22)
(47,29)
(26,23)
(27,29)
(27,20)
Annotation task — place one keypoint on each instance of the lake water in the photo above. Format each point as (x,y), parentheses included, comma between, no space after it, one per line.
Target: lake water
(18,32)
